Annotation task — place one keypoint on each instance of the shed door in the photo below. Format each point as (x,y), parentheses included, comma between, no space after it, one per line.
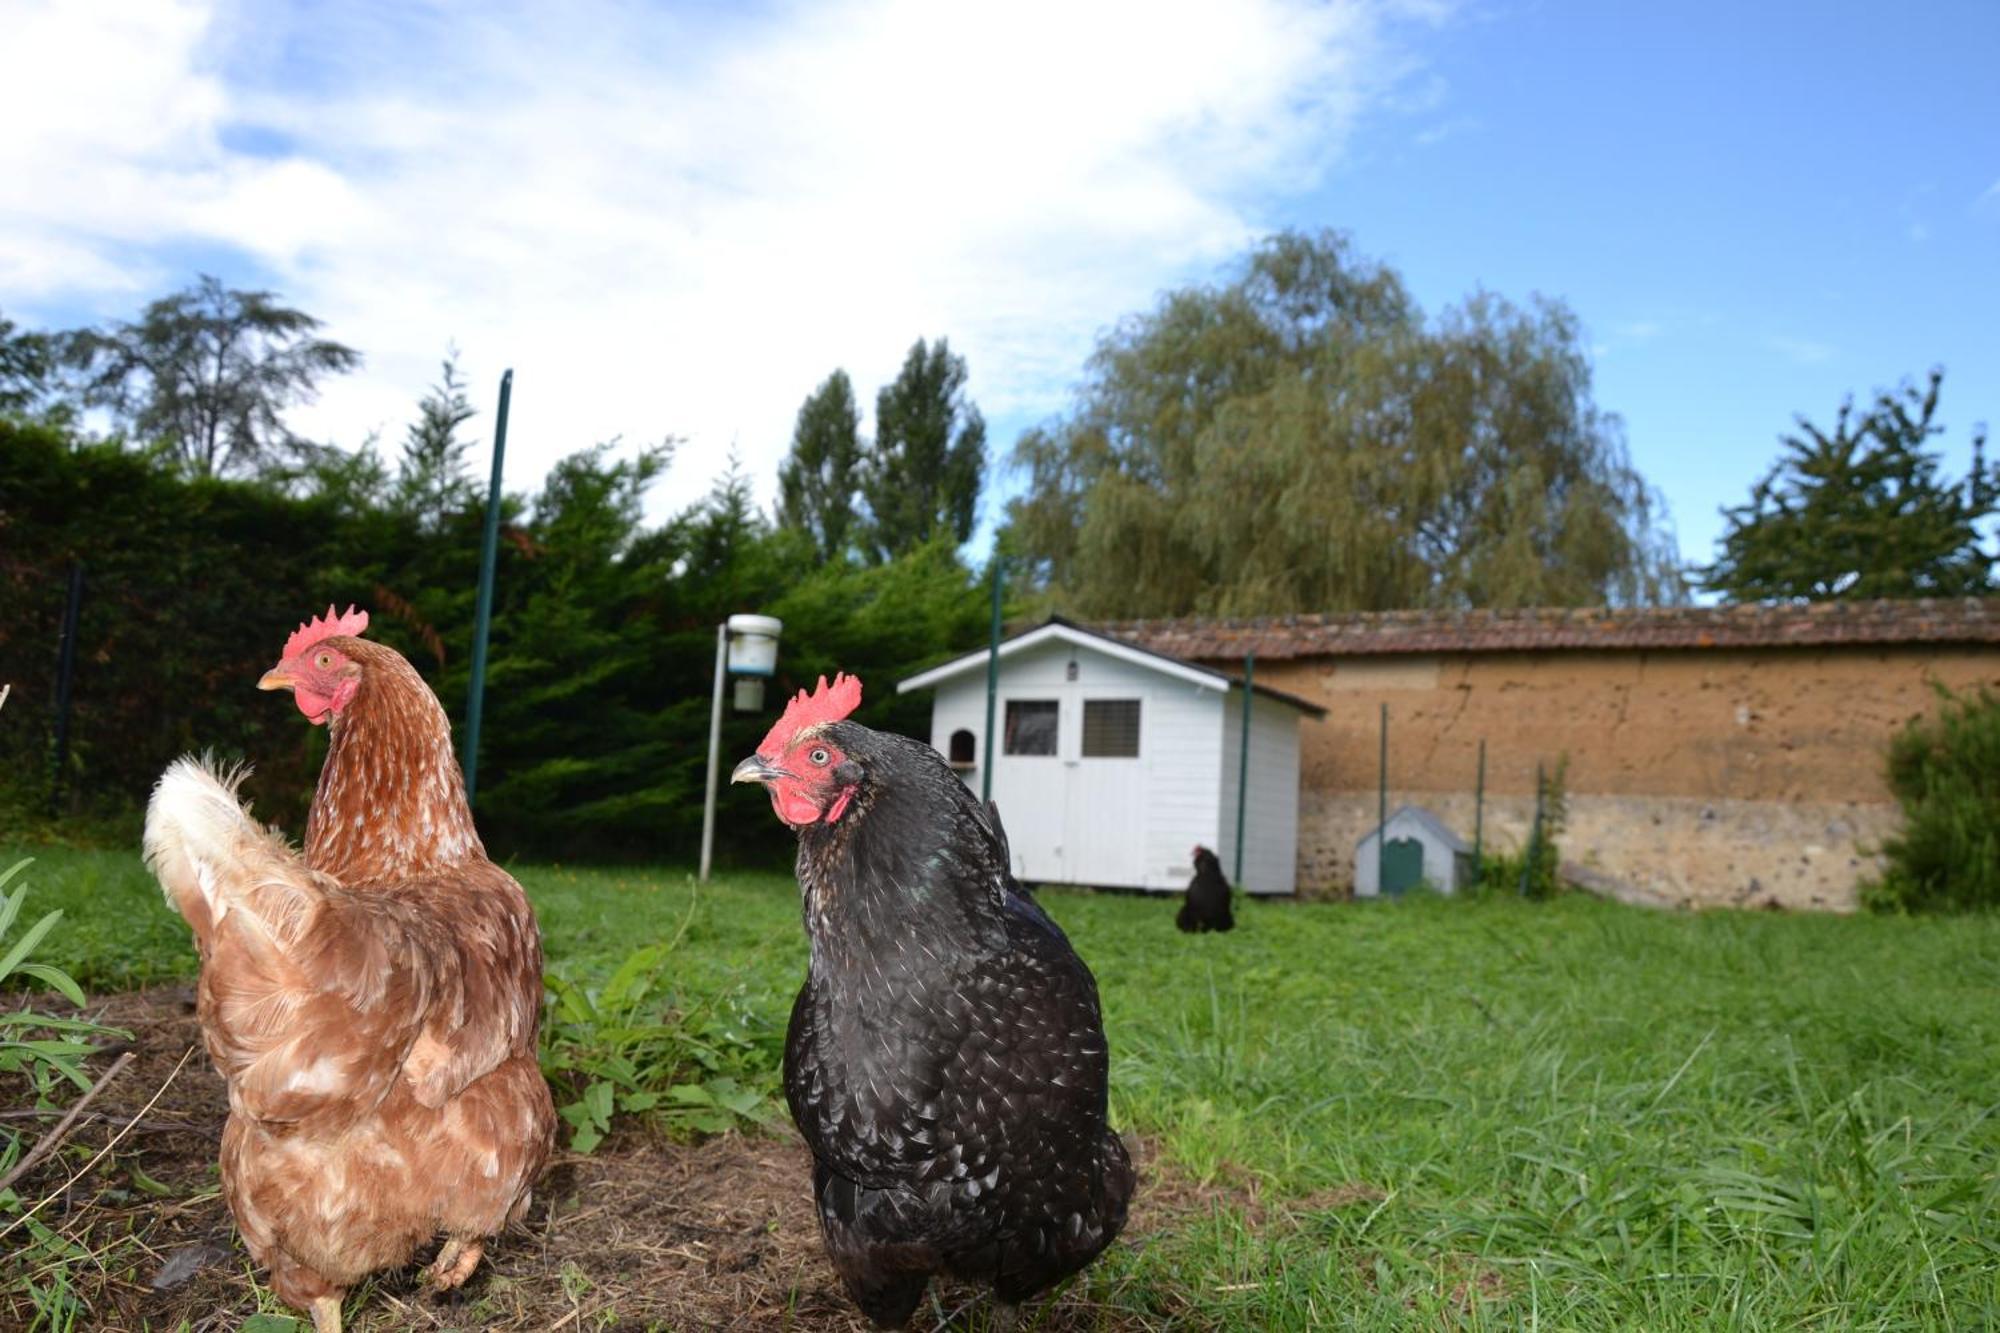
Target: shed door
(1107,791)
(1030,781)
(1402,865)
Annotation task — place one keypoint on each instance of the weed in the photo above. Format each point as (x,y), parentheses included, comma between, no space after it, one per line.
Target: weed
(42,1052)
(626,1048)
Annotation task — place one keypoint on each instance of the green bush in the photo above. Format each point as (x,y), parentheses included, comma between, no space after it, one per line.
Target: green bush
(1946,772)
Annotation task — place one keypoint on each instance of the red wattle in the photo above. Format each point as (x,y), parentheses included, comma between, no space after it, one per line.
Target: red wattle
(793,807)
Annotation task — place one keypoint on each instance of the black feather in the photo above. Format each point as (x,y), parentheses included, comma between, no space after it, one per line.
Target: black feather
(946,1060)
(1206,906)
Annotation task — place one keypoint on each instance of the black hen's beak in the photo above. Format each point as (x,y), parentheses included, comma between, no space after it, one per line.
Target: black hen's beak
(757,769)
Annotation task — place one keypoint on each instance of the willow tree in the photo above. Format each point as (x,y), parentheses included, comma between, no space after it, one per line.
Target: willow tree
(1303,439)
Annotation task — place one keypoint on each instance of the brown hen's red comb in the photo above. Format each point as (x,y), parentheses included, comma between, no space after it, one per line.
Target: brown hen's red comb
(325,627)
(827,703)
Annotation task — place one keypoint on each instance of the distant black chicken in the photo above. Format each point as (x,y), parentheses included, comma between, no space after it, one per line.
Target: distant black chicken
(1206,906)
(946,1061)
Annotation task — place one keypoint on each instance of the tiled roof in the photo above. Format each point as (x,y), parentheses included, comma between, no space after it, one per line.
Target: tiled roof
(1968,620)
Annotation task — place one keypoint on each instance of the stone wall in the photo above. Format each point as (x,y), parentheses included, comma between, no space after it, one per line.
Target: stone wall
(1718,777)
(1671,850)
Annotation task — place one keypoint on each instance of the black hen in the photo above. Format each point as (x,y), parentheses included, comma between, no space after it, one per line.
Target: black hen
(946,1061)
(1206,906)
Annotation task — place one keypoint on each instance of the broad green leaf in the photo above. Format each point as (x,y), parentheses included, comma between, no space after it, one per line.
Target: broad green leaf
(26,944)
(55,978)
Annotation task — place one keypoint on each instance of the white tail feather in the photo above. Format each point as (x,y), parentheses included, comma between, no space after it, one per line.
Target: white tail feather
(201,841)
(195,810)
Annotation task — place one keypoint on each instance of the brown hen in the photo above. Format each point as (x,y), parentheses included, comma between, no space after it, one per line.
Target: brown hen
(373,1003)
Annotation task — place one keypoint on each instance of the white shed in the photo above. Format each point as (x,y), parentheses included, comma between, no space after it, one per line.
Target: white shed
(1423,851)
(1115,762)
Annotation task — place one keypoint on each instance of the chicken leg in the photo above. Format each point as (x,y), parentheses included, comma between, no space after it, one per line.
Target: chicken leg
(454,1263)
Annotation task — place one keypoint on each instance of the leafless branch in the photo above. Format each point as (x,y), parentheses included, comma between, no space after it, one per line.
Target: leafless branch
(51,1140)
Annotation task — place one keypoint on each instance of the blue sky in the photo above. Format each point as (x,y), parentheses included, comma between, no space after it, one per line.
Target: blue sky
(1755,209)
(678,219)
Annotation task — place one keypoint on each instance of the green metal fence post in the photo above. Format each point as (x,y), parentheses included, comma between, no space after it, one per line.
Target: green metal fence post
(1243,759)
(1479,810)
(992,683)
(1382,811)
(489,552)
(1534,836)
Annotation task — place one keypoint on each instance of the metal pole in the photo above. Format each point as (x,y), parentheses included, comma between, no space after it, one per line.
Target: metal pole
(1534,836)
(65,672)
(1243,759)
(1479,809)
(489,553)
(714,748)
(992,682)
(1382,811)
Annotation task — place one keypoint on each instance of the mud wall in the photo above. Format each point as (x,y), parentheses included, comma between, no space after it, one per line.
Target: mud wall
(1707,777)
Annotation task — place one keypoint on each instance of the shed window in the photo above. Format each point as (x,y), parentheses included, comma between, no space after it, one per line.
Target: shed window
(1031,726)
(1110,728)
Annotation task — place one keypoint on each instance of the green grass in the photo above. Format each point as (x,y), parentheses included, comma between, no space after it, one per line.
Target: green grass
(1566,1115)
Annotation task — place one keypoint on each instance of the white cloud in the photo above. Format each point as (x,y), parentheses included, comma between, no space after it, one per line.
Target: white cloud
(670,222)
(1803,351)
(1431,136)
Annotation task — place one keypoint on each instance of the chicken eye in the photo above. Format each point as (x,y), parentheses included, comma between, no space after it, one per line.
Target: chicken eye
(819,756)
(324,661)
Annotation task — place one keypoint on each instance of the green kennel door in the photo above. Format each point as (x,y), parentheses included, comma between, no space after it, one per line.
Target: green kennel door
(1403,865)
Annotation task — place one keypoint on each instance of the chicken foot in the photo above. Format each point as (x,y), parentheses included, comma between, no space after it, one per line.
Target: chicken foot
(454,1263)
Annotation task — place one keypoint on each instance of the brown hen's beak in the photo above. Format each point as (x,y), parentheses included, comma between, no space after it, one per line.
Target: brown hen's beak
(757,769)
(277,678)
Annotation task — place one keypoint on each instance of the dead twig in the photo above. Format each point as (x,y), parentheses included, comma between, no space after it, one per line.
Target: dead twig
(49,1142)
(85,1169)
(95,1117)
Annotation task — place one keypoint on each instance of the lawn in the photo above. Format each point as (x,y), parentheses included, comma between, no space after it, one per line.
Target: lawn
(1421,1114)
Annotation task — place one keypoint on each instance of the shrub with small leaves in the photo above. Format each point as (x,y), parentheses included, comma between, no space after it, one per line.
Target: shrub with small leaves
(1945,770)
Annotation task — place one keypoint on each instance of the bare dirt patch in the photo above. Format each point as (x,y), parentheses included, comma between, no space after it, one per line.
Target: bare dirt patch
(642,1233)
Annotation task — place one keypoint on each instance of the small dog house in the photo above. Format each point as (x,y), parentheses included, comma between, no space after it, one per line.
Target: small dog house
(1421,852)
(1113,759)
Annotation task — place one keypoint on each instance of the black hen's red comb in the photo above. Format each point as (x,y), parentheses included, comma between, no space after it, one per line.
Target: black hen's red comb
(827,703)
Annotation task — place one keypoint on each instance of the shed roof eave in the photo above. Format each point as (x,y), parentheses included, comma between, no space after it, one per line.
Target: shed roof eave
(1062,631)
